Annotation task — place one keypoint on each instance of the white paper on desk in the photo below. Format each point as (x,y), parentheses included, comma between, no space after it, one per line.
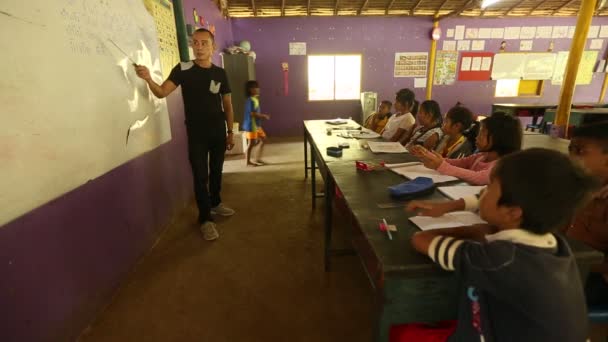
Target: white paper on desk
(390,166)
(386,147)
(364,133)
(460,191)
(412,172)
(453,219)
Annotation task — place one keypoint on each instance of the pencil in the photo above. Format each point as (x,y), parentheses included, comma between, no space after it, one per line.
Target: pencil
(390,237)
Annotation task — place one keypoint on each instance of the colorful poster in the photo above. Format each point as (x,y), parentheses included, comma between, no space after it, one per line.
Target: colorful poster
(445,67)
(164,20)
(411,64)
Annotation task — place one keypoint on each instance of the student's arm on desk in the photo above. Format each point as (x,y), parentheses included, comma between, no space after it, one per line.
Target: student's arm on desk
(480,177)
(436,209)
(421,241)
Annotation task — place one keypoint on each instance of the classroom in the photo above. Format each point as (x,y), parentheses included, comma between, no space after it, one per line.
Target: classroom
(329,235)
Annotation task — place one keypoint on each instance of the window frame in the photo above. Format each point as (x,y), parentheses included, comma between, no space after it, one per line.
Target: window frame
(308,99)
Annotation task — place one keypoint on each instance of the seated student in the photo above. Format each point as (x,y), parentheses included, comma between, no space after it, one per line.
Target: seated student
(378,120)
(401,123)
(499,135)
(428,133)
(455,143)
(518,281)
(589,146)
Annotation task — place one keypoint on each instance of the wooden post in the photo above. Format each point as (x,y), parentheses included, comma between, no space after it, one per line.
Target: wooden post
(605,84)
(431,74)
(577,47)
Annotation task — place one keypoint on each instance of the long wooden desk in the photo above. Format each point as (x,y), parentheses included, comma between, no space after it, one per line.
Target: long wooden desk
(407,286)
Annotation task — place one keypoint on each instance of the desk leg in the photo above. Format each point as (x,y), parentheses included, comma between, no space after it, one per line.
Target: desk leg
(305,154)
(329,191)
(313,180)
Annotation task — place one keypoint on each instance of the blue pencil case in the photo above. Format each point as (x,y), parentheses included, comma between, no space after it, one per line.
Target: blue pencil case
(419,186)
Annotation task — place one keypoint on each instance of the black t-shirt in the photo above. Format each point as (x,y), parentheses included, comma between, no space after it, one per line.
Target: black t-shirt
(202,90)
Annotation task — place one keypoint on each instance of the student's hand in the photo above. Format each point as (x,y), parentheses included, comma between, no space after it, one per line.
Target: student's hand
(431,159)
(416,150)
(142,72)
(427,208)
(229,141)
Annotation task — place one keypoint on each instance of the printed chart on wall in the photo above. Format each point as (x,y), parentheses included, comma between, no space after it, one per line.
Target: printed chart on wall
(445,67)
(164,19)
(585,68)
(411,64)
(80,111)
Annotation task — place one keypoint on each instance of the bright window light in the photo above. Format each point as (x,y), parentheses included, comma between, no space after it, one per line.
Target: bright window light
(486,3)
(507,88)
(334,77)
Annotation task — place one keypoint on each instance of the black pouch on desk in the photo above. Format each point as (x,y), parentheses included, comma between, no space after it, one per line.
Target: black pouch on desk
(417,187)
(334,151)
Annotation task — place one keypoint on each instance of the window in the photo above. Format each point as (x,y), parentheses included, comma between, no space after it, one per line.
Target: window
(334,77)
(515,88)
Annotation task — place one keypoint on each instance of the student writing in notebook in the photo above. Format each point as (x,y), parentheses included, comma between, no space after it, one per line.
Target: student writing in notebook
(429,130)
(401,123)
(499,135)
(517,279)
(455,143)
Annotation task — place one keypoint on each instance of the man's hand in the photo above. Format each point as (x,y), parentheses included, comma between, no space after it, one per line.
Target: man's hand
(229,141)
(143,72)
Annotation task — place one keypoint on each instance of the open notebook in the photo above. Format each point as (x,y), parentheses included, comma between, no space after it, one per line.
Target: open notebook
(418,170)
(386,147)
(453,219)
(460,191)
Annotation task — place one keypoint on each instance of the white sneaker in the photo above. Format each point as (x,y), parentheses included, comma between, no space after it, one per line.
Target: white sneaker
(222,210)
(209,231)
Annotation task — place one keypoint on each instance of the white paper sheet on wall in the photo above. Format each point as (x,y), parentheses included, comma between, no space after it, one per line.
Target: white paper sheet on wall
(498,33)
(528,32)
(571,30)
(466,64)
(525,45)
(486,63)
(472,33)
(476,64)
(593,32)
(478,45)
(601,66)
(560,32)
(596,44)
(512,32)
(604,31)
(544,32)
(450,33)
(449,45)
(459,32)
(420,82)
(464,45)
(485,33)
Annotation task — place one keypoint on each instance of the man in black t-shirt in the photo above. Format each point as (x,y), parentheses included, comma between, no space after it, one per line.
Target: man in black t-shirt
(208,107)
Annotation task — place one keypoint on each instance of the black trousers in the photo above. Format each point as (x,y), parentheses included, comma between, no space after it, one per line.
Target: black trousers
(206,155)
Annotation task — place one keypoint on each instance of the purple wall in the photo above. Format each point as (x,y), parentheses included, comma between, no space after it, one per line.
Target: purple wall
(61,263)
(212,16)
(377,39)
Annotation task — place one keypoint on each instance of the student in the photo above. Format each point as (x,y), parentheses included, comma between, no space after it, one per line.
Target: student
(252,124)
(589,146)
(378,120)
(454,144)
(518,281)
(208,108)
(401,123)
(428,133)
(499,135)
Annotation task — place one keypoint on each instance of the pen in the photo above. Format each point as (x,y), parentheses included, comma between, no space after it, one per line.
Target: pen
(388,232)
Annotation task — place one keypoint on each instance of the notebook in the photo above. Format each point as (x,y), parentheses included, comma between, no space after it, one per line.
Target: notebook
(386,147)
(453,219)
(460,191)
(419,170)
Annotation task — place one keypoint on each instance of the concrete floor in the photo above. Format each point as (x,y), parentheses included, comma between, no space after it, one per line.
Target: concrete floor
(263,280)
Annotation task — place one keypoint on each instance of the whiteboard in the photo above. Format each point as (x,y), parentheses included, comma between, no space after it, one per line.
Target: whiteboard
(508,66)
(539,66)
(69,97)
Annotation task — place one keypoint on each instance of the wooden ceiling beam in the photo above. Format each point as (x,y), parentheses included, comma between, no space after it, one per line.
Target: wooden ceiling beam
(362,7)
(563,6)
(388,7)
(308,8)
(512,8)
(336,7)
(441,6)
(282,8)
(540,3)
(255,12)
(413,10)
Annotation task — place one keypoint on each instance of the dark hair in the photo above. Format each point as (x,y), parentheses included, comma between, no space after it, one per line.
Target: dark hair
(549,195)
(504,132)
(387,103)
(596,131)
(250,85)
(432,107)
(407,98)
(414,109)
(205,30)
(461,115)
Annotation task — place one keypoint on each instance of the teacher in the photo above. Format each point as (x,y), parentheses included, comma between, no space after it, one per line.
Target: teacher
(208,107)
